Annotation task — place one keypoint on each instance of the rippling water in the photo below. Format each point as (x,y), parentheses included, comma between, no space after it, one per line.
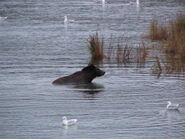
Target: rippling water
(36,48)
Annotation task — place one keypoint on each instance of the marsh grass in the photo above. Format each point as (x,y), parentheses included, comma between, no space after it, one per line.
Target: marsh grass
(171,36)
(117,50)
(169,39)
(168,67)
(95,46)
(141,54)
(157,32)
(157,67)
(123,53)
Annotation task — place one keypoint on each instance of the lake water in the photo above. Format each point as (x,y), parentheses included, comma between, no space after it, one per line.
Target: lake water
(36,48)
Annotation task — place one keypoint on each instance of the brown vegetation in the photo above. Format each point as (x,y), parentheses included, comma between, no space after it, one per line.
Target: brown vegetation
(171,37)
(117,51)
(141,54)
(157,32)
(120,52)
(96,47)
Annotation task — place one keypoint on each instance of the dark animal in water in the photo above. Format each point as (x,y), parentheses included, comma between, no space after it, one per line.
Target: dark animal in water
(86,75)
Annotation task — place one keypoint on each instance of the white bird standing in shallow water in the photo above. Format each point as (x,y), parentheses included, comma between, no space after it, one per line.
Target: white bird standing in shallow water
(70,122)
(65,19)
(171,106)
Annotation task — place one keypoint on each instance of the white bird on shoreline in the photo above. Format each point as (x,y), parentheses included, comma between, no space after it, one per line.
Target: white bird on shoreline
(70,122)
(171,106)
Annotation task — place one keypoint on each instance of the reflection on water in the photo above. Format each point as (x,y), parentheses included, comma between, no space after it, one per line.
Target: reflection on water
(91,88)
(172,115)
(66,130)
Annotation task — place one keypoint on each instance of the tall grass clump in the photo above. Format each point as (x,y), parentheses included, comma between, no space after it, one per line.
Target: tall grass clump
(175,44)
(171,36)
(157,32)
(95,46)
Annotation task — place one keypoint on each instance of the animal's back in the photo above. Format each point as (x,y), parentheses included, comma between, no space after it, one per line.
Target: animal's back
(77,77)
(86,75)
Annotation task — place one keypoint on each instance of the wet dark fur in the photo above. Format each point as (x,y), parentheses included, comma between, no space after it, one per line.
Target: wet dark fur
(86,75)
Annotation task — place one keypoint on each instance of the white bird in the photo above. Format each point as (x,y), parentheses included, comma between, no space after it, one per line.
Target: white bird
(65,19)
(171,106)
(103,2)
(70,122)
(137,2)
(3,18)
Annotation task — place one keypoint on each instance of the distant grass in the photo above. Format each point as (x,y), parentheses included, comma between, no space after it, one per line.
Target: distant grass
(175,44)
(168,66)
(171,36)
(157,67)
(157,32)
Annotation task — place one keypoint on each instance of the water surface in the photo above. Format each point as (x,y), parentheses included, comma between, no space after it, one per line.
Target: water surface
(36,48)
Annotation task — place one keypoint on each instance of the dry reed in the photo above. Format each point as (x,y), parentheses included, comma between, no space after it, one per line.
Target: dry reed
(171,36)
(141,54)
(117,51)
(96,47)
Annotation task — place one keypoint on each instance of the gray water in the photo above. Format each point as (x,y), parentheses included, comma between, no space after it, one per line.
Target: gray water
(36,48)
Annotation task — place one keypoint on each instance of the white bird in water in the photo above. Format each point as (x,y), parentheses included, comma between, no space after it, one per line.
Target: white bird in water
(65,19)
(103,2)
(3,18)
(171,106)
(70,122)
(137,2)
